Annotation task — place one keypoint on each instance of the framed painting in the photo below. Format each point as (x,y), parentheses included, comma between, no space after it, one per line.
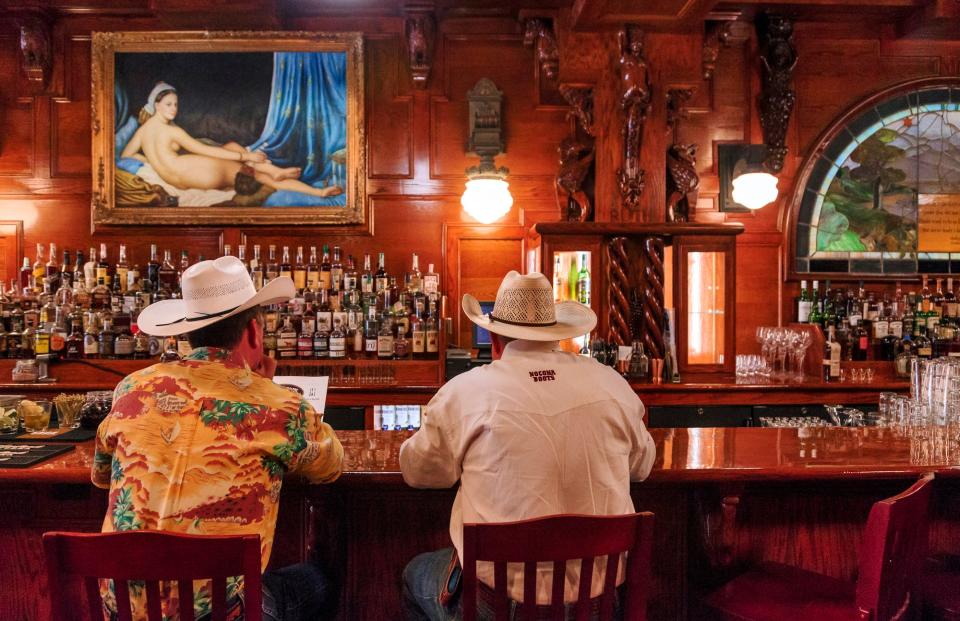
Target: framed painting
(228,128)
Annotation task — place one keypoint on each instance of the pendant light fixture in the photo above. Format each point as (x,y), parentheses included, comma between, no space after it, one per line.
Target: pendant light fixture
(487,196)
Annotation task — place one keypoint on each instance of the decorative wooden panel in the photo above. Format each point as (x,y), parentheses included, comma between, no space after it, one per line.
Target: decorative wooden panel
(11,242)
(391,108)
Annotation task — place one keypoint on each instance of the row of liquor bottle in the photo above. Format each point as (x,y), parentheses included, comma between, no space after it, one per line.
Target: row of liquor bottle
(571,277)
(330,273)
(291,331)
(875,325)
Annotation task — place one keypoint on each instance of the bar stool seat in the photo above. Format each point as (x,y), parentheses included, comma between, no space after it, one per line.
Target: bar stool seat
(940,588)
(777,592)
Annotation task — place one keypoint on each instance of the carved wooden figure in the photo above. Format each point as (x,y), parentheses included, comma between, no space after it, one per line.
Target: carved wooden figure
(36,53)
(538,33)
(576,159)
(682,181)
(420,33)
(635,93)
(776,97)
(580,99)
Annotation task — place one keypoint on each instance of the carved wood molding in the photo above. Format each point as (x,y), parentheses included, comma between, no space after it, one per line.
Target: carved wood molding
(722,31)
(776,99)
(682,178)
(420,30)
(580,99)
(539,34)
(36,48)
(618,284)
(635,98)
(652,285)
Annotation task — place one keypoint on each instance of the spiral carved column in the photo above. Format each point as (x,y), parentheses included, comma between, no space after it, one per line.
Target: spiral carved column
(618,284)
(653,296)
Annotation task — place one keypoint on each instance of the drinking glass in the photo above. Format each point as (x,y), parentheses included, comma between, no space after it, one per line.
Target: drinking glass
(34,415)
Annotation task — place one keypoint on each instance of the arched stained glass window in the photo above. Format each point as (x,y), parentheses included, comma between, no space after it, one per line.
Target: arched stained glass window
(880,195)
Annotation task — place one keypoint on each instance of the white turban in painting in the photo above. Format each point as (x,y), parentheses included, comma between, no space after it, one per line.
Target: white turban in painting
(151,105)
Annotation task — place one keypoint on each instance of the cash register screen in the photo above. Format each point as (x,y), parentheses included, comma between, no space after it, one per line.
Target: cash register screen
(481,337)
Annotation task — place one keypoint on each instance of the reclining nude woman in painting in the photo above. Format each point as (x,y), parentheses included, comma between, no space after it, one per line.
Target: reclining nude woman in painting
(159,142)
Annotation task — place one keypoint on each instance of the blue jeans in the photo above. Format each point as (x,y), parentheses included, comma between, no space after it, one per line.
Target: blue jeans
(297,593)
(423,580)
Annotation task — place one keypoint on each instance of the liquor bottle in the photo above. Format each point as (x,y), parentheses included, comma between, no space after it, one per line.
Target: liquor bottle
(39,270)
(321,342)
(366,279)
(256,268)
(305,340)
(815,316)
(272,268)
(106,340)
(831,357)
(936,302)
(67,271)
(860,341)
(286,269)
(385,339)
(325,269)
(123,341)
(184,266)
(269,341)
(153,268)
(431,283)
(418,337)
(371,329)
(52,269)
(413,279)
(73,350)
(926,297)
(401,346)
(300,271)
(804,303)
(103,265)
(122,269)
(287,340)
(338,341)
(572,275)
(169,348)
(168,274)
(26,275)
(313,270)
(324,312)
(558,289)
(381,279)
(242,255)
(432,332)
(350,276)
(336,270)
(141,345)
(227,250)
(100,296)
(583,281)
(921,342)
(950,300)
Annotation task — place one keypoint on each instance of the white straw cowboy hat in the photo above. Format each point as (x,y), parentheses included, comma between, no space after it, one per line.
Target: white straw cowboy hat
(211,291)
(524,309)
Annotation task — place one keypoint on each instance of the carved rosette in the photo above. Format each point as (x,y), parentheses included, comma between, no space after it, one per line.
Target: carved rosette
(420,27)
(538,33)
(618,284)
(776,99)
(652,285)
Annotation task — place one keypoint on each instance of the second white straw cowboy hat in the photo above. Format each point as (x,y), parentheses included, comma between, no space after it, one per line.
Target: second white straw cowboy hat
(211,291)
(524,309)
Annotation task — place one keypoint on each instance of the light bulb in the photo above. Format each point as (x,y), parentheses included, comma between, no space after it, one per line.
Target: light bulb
(486,199)
(754,190)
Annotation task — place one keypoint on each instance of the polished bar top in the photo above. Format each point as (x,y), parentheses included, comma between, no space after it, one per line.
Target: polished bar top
(727,454)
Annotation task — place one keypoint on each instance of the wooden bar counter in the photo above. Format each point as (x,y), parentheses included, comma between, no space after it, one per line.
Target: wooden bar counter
(724,498)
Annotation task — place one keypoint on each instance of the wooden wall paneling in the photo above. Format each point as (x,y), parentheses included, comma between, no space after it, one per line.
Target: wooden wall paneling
(70,113)
(16,117)
(390,108)
(11,249)
(477,258)
(759,259)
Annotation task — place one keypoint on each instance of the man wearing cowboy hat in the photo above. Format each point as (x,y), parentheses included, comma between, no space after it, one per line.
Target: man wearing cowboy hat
(200,445)
(537,432)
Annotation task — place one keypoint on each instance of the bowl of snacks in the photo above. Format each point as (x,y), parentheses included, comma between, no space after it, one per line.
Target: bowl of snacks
(9,420)
(35,415)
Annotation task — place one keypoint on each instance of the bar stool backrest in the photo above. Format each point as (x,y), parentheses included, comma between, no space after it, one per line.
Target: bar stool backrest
(894,546)
(152,556)
(558,539)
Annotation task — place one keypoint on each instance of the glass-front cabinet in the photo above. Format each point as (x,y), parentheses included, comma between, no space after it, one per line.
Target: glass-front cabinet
(670,286)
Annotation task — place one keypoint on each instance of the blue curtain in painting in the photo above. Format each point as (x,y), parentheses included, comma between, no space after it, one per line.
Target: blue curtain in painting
(306,123)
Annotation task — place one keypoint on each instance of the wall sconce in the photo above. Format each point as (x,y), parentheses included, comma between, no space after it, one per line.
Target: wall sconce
(744,180)
(487,197)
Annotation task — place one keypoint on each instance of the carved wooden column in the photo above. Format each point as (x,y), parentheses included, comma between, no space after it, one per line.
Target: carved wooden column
(652,276)
(776,97)
(618,284)
(419,28)
(635,97)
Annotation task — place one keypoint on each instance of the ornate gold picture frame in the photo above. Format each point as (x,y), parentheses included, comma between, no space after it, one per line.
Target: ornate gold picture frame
(228,128)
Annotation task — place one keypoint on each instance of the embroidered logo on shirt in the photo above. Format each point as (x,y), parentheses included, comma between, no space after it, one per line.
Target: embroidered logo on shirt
(548,375)
(170,404)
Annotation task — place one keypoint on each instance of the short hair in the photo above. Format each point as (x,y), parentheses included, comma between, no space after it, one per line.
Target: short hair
(225,333)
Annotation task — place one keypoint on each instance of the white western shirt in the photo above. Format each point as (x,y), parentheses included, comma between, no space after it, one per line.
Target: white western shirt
(538,432)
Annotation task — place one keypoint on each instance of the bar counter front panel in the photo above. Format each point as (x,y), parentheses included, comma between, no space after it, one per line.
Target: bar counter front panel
(724,498)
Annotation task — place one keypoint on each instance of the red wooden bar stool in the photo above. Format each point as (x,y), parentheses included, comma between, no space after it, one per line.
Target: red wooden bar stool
(891,556)
(557,539)
(152,556)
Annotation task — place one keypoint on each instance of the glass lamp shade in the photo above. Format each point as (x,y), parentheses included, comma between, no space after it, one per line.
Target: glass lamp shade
(755,189)
(487,199)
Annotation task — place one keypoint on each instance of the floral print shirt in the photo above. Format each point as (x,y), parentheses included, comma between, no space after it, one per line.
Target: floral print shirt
(200,446)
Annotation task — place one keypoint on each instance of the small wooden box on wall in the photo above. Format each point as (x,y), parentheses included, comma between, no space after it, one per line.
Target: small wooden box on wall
(639,270)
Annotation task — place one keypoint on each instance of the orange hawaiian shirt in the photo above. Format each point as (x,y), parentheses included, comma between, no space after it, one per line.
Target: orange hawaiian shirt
(200,446)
